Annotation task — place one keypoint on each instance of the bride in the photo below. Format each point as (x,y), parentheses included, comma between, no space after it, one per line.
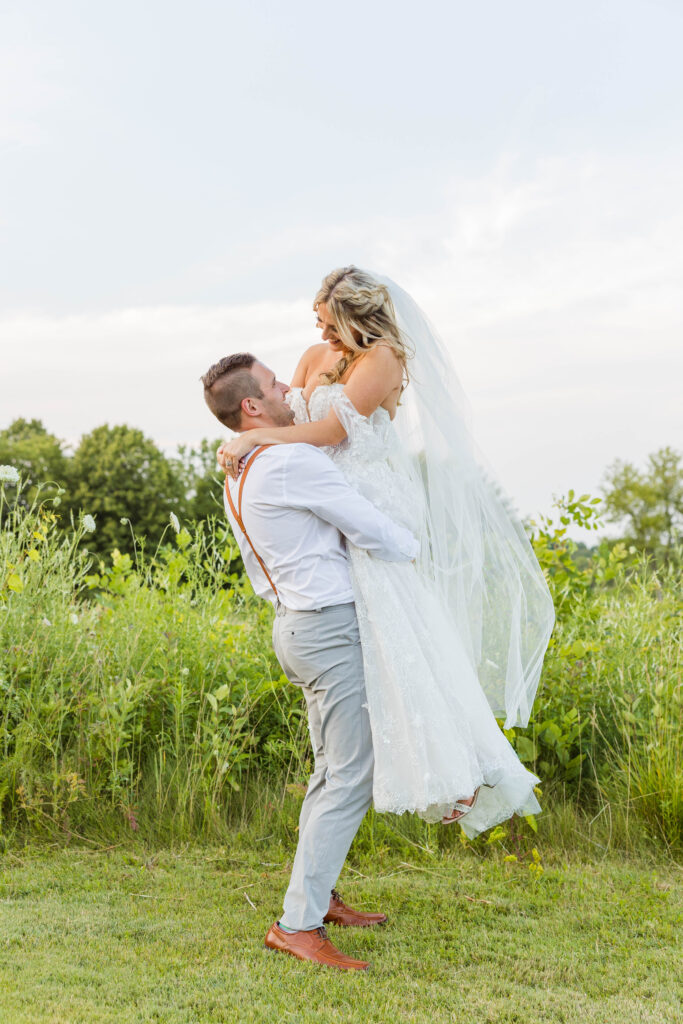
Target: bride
(458,637)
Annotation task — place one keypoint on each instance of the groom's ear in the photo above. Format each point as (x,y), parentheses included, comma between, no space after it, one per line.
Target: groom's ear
(250,407)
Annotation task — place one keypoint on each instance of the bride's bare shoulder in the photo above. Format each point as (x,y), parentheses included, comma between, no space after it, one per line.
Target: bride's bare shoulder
(381,358)
(308,364)
(316,352)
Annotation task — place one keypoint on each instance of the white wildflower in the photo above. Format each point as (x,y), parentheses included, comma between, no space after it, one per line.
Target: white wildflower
(174,522)
(123,521)
(46,621)
(9,474)
(88,523)
(184,671)
(73,618)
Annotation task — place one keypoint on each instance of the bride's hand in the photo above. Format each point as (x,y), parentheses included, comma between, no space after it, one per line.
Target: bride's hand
(230,455)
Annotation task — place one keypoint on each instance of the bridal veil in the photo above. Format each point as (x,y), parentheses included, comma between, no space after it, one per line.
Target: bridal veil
(473,544)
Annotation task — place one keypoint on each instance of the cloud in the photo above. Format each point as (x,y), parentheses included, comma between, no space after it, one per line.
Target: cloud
(555,286)
(557,289)
(598,237)
(140,366)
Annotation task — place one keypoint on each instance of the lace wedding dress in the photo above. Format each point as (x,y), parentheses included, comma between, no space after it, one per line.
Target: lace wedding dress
(435,737)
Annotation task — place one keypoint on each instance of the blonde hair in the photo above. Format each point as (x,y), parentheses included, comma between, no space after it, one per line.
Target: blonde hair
(357,302)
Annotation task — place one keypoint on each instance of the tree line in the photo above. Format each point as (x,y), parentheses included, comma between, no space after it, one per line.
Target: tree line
(129,485)
(118,476)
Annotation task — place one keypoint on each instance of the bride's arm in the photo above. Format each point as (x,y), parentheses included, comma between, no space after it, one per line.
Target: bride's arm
(319,433)
(377,375)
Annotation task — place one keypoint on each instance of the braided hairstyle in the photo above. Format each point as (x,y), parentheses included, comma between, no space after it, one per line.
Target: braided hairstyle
(357,302)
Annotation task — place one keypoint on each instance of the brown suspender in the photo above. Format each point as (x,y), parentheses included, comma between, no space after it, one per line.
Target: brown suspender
(237,512)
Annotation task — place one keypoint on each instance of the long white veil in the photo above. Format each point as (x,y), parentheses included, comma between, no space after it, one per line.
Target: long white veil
(473,545)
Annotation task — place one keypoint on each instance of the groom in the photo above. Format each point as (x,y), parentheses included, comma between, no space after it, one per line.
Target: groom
(290,511)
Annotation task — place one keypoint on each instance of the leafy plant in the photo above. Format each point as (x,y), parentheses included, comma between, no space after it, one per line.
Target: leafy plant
(139,692)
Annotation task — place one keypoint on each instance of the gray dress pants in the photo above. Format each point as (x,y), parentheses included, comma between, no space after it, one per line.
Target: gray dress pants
(320,651)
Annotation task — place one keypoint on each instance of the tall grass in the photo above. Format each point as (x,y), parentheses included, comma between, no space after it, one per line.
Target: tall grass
(142,696)
(607,728)
(133,690)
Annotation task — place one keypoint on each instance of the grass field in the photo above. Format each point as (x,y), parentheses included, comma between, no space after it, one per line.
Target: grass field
(176,937)
(142,713)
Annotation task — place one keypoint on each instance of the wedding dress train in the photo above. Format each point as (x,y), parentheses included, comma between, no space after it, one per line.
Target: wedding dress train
(435,737)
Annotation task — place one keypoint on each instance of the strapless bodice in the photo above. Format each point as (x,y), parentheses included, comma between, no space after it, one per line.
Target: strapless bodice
(368,457)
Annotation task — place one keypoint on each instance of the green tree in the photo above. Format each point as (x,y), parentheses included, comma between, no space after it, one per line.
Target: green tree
(39,456)
(201,479)
(118,473)
(649,503)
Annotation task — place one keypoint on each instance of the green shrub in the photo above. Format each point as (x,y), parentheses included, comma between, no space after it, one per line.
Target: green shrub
(133,688)
(607,719)
(141,692)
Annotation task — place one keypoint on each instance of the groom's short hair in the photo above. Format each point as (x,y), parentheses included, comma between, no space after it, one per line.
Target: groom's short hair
(227,383)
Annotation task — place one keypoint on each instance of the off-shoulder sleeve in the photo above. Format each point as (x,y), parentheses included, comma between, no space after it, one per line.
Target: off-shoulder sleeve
(360,432)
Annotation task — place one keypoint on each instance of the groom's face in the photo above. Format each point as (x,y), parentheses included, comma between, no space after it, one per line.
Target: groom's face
(273,405)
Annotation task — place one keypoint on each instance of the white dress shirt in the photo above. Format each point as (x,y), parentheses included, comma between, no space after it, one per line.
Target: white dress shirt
(296,505)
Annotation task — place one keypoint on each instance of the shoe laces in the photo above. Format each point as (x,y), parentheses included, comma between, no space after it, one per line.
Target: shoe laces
(336,896)
(322,931)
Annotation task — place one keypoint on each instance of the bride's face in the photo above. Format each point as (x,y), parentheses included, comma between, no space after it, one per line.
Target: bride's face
(329,329)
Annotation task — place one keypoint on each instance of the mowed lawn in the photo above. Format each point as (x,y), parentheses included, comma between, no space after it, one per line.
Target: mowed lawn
(127,937)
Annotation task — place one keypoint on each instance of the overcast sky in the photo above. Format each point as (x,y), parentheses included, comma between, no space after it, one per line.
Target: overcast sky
(177,178)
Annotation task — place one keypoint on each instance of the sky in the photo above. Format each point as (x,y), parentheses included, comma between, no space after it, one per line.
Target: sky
(176,179)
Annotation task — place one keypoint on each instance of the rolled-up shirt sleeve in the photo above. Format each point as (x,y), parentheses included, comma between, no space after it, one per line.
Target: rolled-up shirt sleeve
(313,482)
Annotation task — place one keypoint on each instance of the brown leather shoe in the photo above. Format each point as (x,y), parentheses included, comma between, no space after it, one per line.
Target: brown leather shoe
(313,945)
(339,913)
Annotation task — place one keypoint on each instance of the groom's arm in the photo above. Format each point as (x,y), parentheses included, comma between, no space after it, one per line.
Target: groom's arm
(312,481)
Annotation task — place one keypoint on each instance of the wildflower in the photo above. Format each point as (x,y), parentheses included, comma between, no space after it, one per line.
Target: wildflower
(46,621)
(73,618)
(15,583)
(131,819)
(536,868)
(89,524)
(9,475)
(123,521)
(174,522)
